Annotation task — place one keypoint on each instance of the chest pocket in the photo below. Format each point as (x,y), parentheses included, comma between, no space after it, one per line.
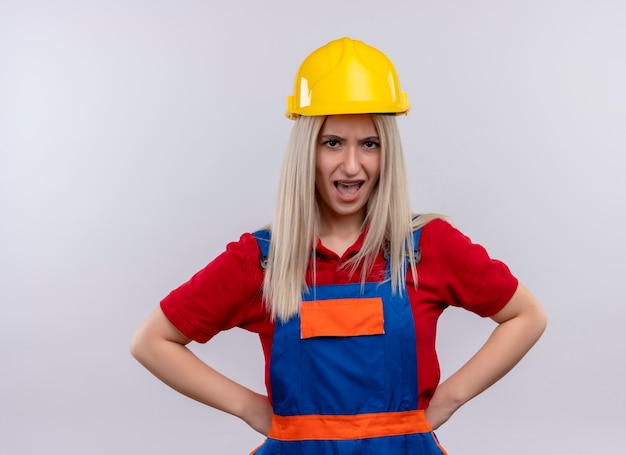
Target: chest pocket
(342,318)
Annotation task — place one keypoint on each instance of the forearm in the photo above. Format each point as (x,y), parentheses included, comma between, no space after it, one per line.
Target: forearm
(506,346)
(161,349)
(179,368)
(520,325)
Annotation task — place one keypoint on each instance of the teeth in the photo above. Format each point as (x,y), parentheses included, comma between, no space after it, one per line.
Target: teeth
(348,189)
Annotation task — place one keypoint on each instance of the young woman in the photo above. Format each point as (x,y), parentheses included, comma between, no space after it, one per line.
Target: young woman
(345,287)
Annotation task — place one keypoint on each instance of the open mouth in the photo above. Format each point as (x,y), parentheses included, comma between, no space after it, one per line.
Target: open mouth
(348,188)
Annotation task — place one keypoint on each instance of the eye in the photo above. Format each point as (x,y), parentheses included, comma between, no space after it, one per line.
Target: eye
(331,143)
(371,144)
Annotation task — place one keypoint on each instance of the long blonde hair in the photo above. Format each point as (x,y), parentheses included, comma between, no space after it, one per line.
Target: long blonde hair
(295,224)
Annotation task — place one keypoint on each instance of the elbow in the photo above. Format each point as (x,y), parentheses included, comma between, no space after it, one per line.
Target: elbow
(140,345)
(143,338)
(536,321)
(148,341)
(541,320)
(136,345)
(528,308)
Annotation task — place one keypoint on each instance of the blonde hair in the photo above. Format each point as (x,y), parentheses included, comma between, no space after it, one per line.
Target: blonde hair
(295,224)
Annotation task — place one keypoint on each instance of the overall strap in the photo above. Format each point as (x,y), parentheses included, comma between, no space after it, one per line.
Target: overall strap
(417,253)
(416,241)
(263,239)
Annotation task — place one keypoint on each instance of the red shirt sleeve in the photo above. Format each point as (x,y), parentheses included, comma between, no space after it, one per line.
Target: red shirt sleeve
(468,277)
(224,294)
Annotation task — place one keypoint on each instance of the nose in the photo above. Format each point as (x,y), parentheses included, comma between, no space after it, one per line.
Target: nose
(351,165)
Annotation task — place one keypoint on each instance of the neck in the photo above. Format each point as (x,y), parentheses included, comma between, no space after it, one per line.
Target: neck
(339,233)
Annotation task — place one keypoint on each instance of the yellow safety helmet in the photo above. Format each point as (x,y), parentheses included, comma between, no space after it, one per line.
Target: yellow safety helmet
(346,76)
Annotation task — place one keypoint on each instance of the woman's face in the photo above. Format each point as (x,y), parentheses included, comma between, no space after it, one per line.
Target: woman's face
(347,166)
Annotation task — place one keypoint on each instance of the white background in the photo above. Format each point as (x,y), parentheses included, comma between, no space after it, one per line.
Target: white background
(137,138)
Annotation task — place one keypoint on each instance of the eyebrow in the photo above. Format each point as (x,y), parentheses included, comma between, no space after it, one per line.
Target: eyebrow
(335,137)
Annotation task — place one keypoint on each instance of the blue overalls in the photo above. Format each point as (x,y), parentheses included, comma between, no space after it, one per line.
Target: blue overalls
(343,374)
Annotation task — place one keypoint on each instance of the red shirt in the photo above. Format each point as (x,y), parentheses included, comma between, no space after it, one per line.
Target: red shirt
(452,271)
